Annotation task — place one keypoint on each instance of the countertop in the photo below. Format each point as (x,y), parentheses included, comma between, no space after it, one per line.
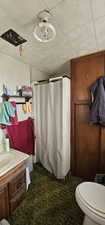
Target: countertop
(9,160)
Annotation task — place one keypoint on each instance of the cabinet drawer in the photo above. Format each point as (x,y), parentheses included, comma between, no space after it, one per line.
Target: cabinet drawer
(15,201)
(17,183)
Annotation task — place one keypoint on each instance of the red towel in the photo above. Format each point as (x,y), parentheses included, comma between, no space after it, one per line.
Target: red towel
(22,136)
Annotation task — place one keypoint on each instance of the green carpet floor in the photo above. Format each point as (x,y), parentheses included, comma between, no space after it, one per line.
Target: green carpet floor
(48,201)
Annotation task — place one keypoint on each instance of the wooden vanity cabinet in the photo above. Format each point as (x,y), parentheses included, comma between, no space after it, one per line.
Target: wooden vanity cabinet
(12,190)
(4,202)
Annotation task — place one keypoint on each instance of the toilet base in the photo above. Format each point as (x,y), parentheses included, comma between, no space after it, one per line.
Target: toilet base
(88,221)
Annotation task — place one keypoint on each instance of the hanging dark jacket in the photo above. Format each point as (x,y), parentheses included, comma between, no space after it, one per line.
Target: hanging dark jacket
(97,108)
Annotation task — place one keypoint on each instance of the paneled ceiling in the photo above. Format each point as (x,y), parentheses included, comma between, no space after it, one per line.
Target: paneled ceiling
(80,27)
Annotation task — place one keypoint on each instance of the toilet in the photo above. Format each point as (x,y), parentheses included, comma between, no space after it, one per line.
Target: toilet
(91,199)
(4,222)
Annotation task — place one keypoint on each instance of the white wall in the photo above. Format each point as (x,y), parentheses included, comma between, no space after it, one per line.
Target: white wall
(37,75)
(13,73)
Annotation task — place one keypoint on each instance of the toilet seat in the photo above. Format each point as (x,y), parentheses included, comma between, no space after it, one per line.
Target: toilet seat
(92,195)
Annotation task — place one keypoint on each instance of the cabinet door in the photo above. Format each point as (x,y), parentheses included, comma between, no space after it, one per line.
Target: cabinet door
(16,200)
(17,189)
(4,204)
(86,144)
(17,183)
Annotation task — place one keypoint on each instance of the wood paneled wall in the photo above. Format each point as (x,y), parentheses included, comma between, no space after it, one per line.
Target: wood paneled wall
(88,141)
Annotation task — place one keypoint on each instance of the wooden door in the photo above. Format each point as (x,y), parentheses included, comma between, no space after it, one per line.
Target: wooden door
(87,143)
(4,204)
(102,151)
(86,138)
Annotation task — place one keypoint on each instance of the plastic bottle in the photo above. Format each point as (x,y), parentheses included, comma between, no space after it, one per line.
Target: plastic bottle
(6,144)
(2,137)
(5,89)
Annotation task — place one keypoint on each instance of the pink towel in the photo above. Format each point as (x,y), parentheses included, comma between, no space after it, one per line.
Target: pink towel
(22,136)
(14,120)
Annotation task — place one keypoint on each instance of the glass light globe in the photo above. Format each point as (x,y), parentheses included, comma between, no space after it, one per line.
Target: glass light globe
(44,32)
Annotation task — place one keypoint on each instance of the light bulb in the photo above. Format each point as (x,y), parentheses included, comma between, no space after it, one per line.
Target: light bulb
(44,32)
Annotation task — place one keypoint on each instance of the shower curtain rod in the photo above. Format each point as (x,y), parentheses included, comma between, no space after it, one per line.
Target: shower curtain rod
(50,80)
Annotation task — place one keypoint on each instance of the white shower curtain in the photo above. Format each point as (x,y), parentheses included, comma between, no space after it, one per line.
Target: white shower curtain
(52,125)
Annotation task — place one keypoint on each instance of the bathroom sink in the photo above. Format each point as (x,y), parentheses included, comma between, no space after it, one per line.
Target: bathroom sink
(4,163)
(9,160)
(5,160)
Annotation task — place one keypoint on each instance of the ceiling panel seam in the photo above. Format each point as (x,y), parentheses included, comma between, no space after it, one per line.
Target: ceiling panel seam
(93,21)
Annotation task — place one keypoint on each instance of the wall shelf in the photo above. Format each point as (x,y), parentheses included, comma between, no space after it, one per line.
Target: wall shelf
(16,96)
(26,98)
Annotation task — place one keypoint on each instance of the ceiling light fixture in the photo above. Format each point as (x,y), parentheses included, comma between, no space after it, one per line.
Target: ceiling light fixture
(44,31)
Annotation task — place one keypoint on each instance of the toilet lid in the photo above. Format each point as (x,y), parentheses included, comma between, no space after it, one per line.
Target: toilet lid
(94,195)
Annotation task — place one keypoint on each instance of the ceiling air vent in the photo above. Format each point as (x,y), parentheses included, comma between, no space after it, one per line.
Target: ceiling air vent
(12,37)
